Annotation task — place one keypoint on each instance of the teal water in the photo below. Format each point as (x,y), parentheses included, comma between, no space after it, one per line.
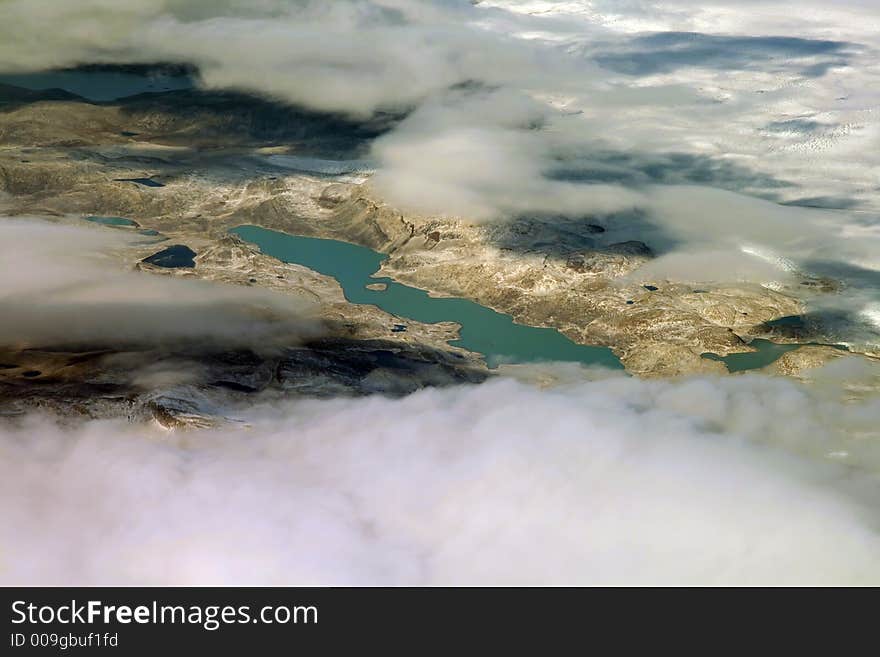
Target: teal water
(113,221)
(493,334)
(122,222)
(766,354)
(98,85)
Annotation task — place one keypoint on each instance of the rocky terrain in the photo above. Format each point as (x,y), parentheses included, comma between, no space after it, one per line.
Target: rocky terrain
(353,352)
(191,164)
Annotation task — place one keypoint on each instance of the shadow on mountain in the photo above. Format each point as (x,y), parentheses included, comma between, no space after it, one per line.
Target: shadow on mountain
(206,119)
(835,324)
(226,117)
(575,239)
(333,366)
(629,232)
(668,52)
(833,327)
(93,381)
(12,97)
(825,202)
(633,169)
(851,275)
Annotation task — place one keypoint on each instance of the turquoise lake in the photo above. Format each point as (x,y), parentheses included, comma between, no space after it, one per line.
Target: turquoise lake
(113,221)
(493,334)
(767,353)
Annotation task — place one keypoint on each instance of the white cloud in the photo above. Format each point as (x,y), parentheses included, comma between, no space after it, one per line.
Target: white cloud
(480,154)
(61,286)
(618,481)
(732,483)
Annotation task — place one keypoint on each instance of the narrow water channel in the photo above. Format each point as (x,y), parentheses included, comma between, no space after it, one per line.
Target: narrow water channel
(483,330)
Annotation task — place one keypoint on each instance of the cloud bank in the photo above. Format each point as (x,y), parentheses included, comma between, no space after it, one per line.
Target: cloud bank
(498,484)
(741,480)
(531,60)
(62,286)
(355,56)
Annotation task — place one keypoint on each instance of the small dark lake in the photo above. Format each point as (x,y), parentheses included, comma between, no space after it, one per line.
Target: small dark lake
(146,182)
(175,256)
